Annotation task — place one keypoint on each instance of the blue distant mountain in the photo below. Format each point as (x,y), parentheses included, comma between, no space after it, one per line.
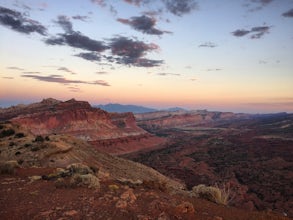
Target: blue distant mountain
(125,108)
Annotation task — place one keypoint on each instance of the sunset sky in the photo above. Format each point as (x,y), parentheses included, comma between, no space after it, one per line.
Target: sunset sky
(226,55)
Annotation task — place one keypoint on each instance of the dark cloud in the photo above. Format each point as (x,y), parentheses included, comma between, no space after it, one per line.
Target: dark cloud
(240,33)
(208,44)
(77,40)
(130,52)
(89,56)
(66,70)
(65,23)
(168,74)
(256,32)
(18,22)
(62,80)
(81,18)
(144,24)
(180,7)
(288,13)
(15,68)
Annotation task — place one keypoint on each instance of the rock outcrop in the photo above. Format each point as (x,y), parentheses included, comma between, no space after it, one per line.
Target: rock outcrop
(72,117)
(166,119)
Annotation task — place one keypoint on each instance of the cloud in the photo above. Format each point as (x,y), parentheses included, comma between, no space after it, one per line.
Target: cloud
(256,5)
(74,89)
(101,72)
(31,72)
(66,70)
(7,77)
(216,69)
(14,68)
(89,56)
(168,74)
(208,44)
(65,23)
(240,33)
(18,22)
(62,80)
(143,24)
(289,13)
(81,17)
(180,7)
(256,32)
(130,52)
(77,40)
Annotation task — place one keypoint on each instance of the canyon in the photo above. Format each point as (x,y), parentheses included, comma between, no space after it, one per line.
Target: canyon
(249,156)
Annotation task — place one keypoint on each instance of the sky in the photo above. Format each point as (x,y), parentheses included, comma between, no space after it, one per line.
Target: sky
(228,55)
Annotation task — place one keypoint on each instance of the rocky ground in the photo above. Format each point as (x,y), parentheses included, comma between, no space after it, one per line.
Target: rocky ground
(24,196)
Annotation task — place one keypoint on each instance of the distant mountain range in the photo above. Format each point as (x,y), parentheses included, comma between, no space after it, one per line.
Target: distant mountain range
(132,108)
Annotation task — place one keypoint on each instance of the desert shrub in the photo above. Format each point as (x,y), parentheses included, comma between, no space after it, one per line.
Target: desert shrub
(1,127)
(17,153)
(20,161)
(47,138)
(79,168)
(7,133)
(213,193)
(11,144)
(157,185)
(27,145)
(19,135)
(8,167)
(39,138)
(88,180)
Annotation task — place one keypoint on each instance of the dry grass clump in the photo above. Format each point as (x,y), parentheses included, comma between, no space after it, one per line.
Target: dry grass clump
(88,180)
(213,193)
(8,167)
(79,168)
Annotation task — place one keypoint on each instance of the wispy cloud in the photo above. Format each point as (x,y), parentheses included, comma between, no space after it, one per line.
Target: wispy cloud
(65,69)
(62,80)
(256,5)
(255,32)
(15,68)
(143,24)
(289,13)
(208,44)
(168,74)
(18,22)
(101,72)
(83,18)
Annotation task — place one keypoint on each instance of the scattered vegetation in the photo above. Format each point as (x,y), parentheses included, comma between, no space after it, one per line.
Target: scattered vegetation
(7,133)
(39,138)
(213,193)
(88,180)
(19,135)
